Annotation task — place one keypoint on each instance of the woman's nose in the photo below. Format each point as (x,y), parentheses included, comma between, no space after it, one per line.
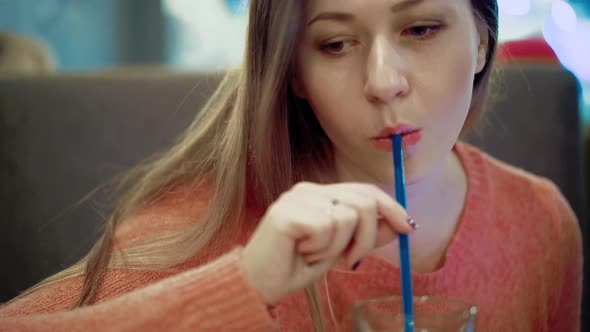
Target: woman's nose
(385,77)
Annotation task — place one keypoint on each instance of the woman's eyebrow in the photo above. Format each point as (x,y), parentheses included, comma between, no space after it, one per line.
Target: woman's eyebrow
(348,17)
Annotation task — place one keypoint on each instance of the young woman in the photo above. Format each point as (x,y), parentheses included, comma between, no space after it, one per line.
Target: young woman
(274,210)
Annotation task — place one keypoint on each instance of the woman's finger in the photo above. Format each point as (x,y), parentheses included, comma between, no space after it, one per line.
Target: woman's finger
(319,239)
(346,220)
(395,215)
(363,240)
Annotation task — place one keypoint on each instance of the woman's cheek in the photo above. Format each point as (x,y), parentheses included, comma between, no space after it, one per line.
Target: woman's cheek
(451,90)
(329,100)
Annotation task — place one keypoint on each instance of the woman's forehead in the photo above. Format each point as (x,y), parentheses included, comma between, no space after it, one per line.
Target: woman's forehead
(394,6)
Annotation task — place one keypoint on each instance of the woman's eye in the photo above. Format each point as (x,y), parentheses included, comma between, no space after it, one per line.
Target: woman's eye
(422,31)
(338,47)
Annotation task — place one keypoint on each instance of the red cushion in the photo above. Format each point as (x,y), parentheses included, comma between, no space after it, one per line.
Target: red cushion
(526,50)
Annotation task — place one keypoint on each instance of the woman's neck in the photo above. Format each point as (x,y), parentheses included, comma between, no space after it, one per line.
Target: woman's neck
(433,200)
(436,203)
(440,197)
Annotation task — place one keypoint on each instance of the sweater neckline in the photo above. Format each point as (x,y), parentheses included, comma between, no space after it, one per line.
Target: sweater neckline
(476,211)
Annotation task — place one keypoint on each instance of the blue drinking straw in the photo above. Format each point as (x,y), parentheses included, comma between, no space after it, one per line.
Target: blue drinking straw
(404,245)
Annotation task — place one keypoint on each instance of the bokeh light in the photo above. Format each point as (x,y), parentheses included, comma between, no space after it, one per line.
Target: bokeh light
(515,7)
(563,15)
(571,46)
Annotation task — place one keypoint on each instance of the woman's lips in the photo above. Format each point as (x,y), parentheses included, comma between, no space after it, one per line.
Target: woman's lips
(408,140)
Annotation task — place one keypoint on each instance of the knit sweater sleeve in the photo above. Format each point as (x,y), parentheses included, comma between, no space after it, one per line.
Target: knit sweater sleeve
(565,314)
(212,297)
(201,295)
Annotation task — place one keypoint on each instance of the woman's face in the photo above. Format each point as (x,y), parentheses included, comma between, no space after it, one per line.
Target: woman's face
(365,65)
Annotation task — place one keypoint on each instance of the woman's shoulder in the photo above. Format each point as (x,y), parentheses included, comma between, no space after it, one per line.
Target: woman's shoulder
(172,210)
(515,184)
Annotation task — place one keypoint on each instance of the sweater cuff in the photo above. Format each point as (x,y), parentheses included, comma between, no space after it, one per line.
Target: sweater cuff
(228,299)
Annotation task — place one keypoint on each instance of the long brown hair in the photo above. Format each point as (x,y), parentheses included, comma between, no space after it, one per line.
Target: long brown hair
(237,144)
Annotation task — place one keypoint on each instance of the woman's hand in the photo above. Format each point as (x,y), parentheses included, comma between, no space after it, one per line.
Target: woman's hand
(311,227)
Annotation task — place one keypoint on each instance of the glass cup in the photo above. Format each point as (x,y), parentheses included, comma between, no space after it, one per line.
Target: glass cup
(431,313)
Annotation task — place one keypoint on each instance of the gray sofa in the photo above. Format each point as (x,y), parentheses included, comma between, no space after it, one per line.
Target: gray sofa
(64,135)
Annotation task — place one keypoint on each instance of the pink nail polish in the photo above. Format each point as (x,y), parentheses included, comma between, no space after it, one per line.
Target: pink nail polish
(356,265)
(412,222)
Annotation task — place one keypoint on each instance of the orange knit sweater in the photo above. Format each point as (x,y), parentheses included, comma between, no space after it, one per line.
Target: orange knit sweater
(516,255)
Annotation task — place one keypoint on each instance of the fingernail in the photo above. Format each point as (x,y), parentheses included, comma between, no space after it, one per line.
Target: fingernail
(356,265)
(412,222)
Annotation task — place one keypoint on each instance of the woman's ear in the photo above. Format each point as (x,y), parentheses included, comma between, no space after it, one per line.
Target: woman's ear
(482,47)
